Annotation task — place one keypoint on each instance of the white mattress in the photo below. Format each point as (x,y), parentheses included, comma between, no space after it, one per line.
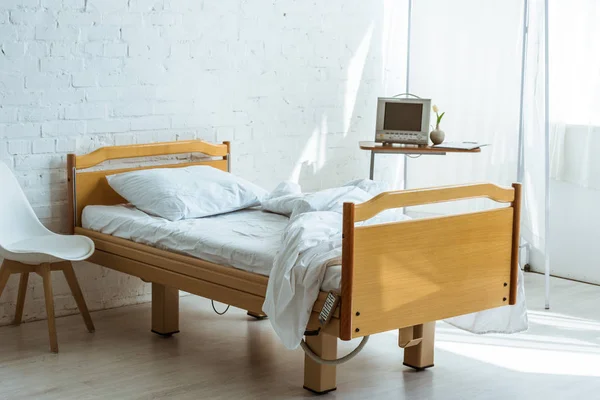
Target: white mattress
(247,239)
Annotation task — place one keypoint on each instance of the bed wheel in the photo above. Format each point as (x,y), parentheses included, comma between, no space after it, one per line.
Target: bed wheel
(257,316)
(164,335)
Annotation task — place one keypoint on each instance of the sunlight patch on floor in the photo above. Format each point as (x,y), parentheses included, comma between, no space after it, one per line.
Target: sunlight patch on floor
(569,346)
(529,360)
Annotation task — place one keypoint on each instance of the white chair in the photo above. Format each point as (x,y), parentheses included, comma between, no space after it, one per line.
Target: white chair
(27,246)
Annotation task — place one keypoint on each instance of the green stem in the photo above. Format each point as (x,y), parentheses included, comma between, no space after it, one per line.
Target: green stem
(439,117)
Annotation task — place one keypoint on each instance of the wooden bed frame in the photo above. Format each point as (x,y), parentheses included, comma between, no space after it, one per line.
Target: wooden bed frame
(396,276)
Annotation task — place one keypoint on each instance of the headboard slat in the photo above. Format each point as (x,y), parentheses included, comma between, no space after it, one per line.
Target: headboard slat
(148,150)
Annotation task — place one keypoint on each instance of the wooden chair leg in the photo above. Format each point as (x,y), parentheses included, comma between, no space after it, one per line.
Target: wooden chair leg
(4,275)
(319,378)
(420,356)
(78,295)
(165,310)
(21,297)
(46,273)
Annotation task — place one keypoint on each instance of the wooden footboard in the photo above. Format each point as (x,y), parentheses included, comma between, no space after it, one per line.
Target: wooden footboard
(406,273)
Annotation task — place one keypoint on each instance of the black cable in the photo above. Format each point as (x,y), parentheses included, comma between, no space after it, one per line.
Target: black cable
(212,302)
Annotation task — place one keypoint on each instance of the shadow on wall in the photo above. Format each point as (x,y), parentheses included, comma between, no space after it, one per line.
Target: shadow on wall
(369,61)
(314,154)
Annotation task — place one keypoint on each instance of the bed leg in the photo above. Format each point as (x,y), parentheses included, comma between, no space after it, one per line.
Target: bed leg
(165,310)
(258,316)
(319,378)
(418,354)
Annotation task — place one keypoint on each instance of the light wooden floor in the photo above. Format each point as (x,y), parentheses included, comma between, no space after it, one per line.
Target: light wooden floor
(234,357)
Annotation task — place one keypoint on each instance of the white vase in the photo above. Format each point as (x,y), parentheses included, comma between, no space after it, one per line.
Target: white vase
(437,135)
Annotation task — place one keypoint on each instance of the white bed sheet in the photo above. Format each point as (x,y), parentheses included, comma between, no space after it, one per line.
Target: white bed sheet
(247,239)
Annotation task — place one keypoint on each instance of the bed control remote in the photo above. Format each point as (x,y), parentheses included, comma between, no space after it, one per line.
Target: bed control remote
(331,302)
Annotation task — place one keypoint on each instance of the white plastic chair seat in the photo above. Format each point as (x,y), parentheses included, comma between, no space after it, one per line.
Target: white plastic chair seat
(23,238)
(49,248)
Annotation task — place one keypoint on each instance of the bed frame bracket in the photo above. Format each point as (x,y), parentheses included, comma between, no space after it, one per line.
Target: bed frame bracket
(410,343)
(407,338)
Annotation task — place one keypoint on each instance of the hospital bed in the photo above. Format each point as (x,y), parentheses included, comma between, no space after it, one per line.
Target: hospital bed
(395,276)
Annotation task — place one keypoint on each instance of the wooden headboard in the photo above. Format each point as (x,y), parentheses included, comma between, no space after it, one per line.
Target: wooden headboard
(91,187)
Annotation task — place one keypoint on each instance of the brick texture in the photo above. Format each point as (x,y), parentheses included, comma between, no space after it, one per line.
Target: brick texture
(292,84)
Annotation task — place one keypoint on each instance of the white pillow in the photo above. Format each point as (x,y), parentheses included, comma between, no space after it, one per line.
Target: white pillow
(285,188)
(330,200)
(372,187)
(283,199)
(189,192)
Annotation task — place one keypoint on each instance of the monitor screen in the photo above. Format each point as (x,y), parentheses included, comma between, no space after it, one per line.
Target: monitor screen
(403,117)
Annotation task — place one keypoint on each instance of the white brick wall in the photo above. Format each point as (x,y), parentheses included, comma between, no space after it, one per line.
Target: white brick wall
(291,83)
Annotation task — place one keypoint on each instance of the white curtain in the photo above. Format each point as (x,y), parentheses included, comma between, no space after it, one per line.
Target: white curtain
(466,56)
(574,40)
(533,222)
(574,117)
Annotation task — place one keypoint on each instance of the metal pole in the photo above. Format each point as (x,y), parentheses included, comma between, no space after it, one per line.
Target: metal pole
(521,142)
(521,146)
(405,171)
(372,169)
(547,153)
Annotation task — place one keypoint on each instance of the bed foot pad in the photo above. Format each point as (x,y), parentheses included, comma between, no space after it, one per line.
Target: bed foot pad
(319,393)
(256,316)
(164,335)
(418,369)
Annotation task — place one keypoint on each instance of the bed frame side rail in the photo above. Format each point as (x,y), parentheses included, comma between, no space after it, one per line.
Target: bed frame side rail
(407,273)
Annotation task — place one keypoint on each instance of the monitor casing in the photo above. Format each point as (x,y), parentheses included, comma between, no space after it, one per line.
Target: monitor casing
(420,137)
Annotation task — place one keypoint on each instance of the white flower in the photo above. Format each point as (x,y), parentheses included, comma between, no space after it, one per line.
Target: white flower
(435,108)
